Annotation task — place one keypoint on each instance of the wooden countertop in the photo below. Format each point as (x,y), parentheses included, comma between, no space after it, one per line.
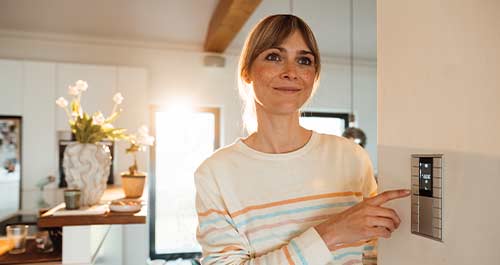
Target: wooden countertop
(33,256)
(112,193)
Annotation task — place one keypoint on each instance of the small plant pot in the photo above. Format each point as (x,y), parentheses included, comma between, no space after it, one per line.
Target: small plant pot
(133,185)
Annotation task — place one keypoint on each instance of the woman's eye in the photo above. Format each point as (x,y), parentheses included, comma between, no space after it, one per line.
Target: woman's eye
(304,61)
(273,57)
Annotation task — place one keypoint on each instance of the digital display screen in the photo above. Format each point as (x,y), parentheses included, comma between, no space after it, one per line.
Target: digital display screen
(425,176)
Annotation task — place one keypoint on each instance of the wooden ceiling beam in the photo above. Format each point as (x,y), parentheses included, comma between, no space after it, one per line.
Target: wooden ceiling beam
(227,20)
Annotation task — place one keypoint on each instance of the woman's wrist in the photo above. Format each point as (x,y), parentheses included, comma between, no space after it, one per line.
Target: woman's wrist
(327,233)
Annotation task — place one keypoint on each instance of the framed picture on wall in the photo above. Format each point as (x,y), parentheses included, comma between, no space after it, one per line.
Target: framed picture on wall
(10,164)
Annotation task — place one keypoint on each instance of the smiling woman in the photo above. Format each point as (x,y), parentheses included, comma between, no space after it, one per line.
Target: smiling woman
(280,48)
(283,76)
(285,194)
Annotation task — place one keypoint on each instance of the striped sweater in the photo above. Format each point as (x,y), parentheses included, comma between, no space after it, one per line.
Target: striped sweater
(259,208)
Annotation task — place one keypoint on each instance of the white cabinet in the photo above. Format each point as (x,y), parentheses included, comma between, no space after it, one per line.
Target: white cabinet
(9,202)
(11,87)
(96,245)
(39,139)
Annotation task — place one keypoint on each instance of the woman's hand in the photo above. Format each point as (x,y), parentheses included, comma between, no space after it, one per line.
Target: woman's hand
(363,221)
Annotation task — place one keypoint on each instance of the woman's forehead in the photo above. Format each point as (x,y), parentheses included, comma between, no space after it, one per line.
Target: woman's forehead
(294,36)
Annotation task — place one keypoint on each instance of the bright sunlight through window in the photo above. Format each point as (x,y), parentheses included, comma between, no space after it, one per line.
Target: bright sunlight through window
(184,139)
(325,125)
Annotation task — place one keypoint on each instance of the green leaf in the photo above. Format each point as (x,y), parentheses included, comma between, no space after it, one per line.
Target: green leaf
(113,117)
(87,132)
(75,106)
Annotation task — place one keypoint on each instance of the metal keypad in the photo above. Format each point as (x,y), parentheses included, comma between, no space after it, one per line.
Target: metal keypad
(427,195)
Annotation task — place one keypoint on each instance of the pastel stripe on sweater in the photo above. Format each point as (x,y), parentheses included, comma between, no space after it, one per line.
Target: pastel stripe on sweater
(287,255)
(245,222)
(299,254)
(295,200)
(276,221)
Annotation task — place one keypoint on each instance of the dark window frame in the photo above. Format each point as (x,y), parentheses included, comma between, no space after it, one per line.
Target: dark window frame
(193,256)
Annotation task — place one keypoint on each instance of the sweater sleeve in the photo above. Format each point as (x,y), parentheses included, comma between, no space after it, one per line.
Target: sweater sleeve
(369,185)
(222,243)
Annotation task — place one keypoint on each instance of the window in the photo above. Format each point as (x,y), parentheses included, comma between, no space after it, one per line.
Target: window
(325,122)
(183,140)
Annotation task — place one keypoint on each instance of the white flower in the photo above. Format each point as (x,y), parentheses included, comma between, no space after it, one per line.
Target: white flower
(74,115)
(143,130)
(107,126)
(62,102)
(81,85)
(145,140)
(73,90)
(98,118)
(118,98)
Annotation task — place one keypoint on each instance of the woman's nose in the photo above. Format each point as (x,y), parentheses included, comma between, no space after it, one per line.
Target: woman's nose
(289,71)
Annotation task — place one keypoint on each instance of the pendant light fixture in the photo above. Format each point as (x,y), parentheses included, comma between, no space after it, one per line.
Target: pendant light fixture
(354,133)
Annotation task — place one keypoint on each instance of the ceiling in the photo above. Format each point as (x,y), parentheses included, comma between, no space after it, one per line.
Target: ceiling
(185,22)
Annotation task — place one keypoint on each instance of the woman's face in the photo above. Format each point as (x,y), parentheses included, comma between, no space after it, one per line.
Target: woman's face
(283,76)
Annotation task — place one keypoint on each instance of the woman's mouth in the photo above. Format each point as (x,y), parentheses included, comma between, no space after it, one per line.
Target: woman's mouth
(287,89)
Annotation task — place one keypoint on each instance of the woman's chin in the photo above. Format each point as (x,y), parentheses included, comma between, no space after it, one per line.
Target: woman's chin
(288,107)
(285,110)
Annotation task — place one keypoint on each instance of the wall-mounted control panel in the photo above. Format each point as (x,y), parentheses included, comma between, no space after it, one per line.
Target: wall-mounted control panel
(427,195)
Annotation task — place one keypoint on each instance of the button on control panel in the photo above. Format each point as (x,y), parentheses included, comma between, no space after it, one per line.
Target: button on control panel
(427,195)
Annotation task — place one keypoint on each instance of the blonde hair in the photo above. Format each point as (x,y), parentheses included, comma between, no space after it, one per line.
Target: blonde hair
(270,32)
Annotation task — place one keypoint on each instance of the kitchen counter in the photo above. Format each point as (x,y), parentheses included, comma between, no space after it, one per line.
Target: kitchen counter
(49,220)
(94,239)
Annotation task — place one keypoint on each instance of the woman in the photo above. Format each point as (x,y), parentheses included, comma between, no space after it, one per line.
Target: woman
(284,194)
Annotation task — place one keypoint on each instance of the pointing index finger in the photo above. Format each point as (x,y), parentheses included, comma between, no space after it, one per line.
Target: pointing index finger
(388,196)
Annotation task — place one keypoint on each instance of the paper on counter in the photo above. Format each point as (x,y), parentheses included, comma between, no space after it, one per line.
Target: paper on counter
(93,210)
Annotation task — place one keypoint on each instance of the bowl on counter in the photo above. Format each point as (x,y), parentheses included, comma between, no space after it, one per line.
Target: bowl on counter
(125,205)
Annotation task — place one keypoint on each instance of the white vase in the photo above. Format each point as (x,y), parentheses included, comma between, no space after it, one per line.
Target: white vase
(86,167)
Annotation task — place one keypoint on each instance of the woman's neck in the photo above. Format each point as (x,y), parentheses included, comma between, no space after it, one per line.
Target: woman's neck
(278,134)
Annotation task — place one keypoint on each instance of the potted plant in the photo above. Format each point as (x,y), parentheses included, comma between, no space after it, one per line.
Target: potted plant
(87,161)
(133,180)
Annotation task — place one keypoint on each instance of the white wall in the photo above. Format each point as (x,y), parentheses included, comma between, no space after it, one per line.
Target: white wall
(438,92)
(178,74)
